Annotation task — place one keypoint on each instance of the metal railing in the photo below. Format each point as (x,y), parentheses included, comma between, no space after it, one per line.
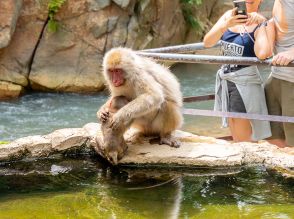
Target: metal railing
(171,54)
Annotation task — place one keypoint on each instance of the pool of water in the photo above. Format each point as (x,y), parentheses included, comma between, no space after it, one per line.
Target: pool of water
(88,188)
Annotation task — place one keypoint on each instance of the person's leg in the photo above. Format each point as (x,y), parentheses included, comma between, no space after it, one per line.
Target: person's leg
(241,130)
(273,100)
(288,110)
(281,143)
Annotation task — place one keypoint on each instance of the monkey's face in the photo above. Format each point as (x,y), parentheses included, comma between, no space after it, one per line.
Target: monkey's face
(116,76)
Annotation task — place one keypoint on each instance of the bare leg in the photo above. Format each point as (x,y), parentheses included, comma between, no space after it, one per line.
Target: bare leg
(281,143)
(241,130)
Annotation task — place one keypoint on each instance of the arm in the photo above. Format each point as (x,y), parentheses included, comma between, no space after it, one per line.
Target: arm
(229,19)
(149,98)
(284,58)
(265,40)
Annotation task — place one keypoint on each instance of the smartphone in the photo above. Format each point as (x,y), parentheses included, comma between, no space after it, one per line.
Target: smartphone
(241,7)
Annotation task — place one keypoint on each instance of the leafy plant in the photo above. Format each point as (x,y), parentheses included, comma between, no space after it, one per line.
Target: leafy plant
(53,8)
(187,8)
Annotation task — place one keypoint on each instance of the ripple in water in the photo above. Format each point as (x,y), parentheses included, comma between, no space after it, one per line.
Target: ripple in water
(42,113)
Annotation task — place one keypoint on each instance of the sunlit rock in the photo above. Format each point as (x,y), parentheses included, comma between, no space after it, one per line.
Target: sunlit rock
(195,150)
(9,13)
(16,57)
(9,90)
(64,139)
(96,5)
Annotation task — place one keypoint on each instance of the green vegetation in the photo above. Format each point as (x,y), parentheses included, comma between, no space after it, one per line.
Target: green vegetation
(53,8)
(187,8)
(4,142)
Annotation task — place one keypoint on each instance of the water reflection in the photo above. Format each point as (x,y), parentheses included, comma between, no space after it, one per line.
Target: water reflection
(87,188)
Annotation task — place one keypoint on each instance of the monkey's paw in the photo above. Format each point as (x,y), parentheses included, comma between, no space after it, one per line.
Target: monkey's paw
(103,115)
(117,122)
(171,141)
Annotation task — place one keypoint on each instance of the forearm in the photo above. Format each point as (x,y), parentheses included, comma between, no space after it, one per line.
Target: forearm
(140,106)
(214,35)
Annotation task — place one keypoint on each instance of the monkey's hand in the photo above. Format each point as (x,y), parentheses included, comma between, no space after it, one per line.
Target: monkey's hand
(116,121)
(103,115)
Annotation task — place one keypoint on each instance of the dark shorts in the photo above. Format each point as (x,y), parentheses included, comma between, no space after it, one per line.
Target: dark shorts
(280,101)
(236,103)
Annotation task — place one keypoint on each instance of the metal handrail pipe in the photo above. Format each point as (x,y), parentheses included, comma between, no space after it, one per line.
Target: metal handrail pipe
(187,48)
(209,59)
(212,113)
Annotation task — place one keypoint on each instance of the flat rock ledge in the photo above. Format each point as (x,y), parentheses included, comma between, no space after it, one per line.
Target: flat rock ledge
(195,151)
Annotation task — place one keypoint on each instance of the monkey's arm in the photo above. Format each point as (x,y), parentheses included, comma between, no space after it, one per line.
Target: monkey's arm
(141,106)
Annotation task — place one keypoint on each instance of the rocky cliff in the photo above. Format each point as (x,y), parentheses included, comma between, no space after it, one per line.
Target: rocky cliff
(69,60)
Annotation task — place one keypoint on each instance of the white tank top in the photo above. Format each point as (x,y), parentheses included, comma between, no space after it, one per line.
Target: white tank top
(286,42)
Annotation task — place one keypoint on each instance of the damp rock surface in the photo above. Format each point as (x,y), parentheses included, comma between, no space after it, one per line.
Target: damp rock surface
(195,151)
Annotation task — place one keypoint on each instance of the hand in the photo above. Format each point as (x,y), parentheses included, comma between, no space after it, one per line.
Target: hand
(283,58)
(254,18)
(116,121)
(234,19)
(103,116)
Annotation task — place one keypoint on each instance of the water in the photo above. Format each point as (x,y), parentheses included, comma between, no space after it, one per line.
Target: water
(88,188)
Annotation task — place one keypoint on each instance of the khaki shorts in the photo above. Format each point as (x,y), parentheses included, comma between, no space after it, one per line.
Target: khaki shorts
(280,101)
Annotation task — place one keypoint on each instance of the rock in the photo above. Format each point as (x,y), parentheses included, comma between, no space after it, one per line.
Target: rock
(80,74)
(122,3)
(170,26)
(266,8)
(9,13)
(70,59)
(207,14)
(92,130)
(119,35)
(196,151)
(64,139)
(16,58)
(9,90)
(96,5)
(104,26)
(32,146)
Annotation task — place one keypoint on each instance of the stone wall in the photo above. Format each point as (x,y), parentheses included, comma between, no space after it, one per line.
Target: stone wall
(69,60)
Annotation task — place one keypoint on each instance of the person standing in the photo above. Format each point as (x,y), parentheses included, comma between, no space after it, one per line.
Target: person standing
(280,85)
(239,88)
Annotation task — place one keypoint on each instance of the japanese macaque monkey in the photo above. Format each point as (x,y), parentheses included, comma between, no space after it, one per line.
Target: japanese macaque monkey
(153,91)
(113,144)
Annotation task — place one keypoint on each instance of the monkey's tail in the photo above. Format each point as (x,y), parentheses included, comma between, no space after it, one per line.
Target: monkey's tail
(174,180)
